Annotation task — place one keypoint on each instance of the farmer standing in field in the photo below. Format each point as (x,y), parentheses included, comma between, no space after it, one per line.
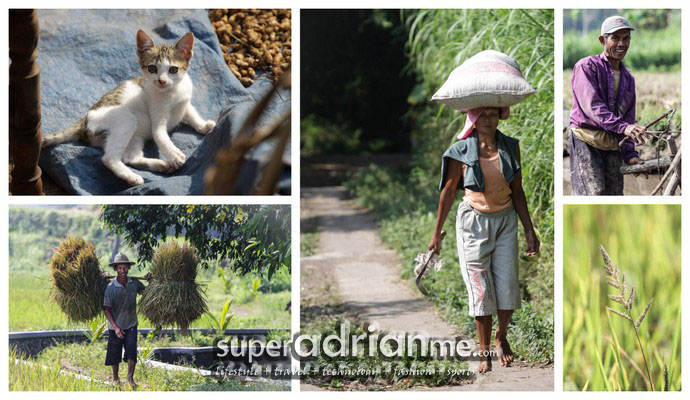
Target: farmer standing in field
(486,164)
(120,306)
(603,115)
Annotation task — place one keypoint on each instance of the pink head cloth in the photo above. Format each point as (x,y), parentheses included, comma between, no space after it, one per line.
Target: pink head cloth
(472,117)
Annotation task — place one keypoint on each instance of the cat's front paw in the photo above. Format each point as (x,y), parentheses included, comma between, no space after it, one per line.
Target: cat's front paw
(207,127)
(134,180)
(176,158)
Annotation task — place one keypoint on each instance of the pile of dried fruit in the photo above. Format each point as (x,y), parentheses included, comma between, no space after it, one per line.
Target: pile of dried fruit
(254,39)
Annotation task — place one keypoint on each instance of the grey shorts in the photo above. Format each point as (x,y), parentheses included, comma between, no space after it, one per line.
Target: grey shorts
(488,250)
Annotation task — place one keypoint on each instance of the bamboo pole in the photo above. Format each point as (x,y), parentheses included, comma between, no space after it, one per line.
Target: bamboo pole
(220,178)
(674,164)
(25,103)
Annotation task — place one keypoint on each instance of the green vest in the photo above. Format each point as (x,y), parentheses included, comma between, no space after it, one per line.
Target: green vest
(467,152)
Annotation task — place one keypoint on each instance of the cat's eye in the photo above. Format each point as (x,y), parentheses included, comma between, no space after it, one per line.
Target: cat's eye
(152,69)
(173,70)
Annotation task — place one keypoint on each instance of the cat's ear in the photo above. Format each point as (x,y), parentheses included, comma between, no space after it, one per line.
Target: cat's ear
(144,43)
(184,45)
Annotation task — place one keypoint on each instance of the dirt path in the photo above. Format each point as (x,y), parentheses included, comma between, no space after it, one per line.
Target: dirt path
(366,276)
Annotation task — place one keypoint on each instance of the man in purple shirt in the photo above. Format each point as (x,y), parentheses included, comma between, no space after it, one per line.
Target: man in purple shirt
(603,114)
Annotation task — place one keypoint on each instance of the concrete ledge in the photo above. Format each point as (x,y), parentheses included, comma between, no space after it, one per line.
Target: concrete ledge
(32,343)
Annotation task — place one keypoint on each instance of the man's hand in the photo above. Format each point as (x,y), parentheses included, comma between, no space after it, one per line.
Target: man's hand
(638,160)
(637,133)
(118,332)
(148,276)
(532,243)
(435,244)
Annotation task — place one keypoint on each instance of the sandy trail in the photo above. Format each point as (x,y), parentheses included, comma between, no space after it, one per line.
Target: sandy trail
(366,275)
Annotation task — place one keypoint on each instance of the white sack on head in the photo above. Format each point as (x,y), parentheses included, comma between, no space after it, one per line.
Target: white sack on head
(487,79)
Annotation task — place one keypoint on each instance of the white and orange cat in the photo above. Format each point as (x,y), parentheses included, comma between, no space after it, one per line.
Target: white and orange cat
(140,109)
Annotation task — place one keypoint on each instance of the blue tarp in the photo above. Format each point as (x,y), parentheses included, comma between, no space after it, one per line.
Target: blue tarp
(85,53)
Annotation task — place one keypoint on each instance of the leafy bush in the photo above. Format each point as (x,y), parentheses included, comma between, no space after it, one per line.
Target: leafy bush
(319,136)
(531,334)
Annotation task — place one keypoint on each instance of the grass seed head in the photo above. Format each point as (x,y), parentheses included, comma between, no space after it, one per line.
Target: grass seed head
(644,314)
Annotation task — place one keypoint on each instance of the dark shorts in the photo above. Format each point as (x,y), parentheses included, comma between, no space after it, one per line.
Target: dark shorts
(594,172)
(113,355)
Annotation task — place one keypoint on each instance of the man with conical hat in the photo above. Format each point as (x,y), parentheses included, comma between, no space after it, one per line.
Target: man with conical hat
(120,306)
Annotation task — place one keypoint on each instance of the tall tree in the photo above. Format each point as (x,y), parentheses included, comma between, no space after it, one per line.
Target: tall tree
(253,237)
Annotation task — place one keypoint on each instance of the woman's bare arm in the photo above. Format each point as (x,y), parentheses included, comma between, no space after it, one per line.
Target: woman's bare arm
(446,202)
(520,204)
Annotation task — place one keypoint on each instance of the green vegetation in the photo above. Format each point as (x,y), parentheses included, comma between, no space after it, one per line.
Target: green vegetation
(601,350)
(35,232)
(650,50)
(355,89)
(217,232)
(25,377)
(88,360)
(406,202)
(319,136)
(411,370)
(616,279)
(257,302)
(308,243)
(31,306)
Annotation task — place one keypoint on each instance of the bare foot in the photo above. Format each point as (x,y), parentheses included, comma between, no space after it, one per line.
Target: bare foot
(503,352)
(132,384)
(484,366)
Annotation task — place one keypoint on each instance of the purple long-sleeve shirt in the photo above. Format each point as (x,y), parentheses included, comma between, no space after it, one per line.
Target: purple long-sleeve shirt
(595,104)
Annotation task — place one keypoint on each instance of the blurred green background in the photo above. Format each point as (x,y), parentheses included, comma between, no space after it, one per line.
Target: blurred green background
(644,242)
(655,44)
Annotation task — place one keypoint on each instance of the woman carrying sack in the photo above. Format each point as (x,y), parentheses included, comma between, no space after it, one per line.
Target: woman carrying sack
(485,163)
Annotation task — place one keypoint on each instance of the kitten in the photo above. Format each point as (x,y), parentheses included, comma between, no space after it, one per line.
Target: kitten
(140,109)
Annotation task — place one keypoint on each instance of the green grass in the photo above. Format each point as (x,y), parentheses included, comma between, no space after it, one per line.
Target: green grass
(644,242)
(309,243)
(88,360)
(31,377)
(31,307)
(390,374)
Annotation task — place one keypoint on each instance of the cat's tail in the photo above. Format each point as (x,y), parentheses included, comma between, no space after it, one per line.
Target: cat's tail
(74,132)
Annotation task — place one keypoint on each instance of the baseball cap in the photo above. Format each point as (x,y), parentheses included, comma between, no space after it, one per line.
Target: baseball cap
(615,23)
